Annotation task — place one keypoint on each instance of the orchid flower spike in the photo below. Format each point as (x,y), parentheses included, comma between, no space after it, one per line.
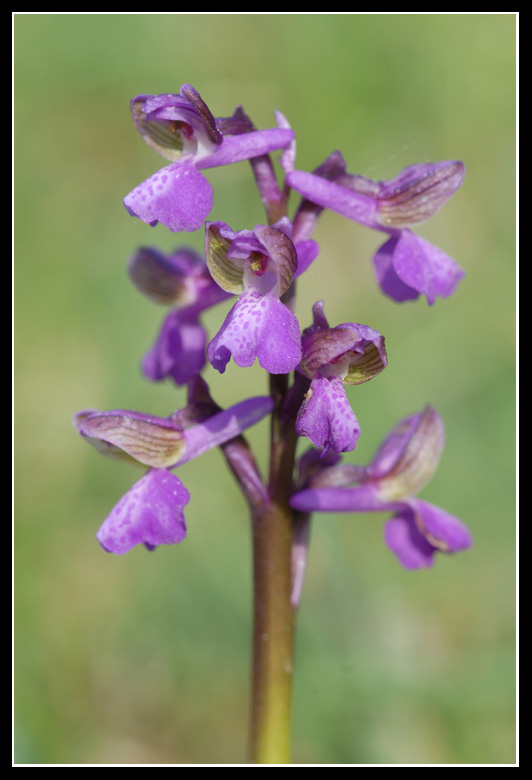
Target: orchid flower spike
(403,464)
(182,129)
(151,512)
(406,266)
(180,280)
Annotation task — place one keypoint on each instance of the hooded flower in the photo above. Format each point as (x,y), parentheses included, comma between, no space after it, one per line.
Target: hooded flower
(183,281)
(259,265)
(403,464)
(151,512)
(182,129)
(405,265)
(347,354)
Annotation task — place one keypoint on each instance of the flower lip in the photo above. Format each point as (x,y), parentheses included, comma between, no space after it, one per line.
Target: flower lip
(150,513)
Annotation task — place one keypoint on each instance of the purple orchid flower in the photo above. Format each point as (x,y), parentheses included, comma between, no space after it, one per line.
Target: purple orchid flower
(403,464)
(182,280)
(347,354)
(151,512)
(182,129)
(259,265)
(405,265)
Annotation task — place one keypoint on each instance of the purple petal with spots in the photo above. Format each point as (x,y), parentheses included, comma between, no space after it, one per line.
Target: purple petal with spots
(257,327)
(419,265)
(179,351)
(150,513)
(178,196)
(326,418)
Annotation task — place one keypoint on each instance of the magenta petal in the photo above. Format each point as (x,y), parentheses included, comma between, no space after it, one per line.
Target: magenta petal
(424,267)
(178,196)
(236,148)
(447,532)
(257,327)
(334,196)
(307,252)
(150,513)
(407,543)
(364,498)
(326,417)
(179,350)
(389,282)
(224,426)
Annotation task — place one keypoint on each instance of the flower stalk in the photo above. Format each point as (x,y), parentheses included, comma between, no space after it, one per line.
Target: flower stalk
(273,636)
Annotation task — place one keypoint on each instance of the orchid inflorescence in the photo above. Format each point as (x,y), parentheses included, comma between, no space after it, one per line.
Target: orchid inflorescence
(257,267)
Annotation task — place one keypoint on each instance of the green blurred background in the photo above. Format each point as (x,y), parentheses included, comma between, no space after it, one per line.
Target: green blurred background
(144,658)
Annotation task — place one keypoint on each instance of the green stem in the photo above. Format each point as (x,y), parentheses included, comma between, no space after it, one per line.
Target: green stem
(273,637)
(274,615)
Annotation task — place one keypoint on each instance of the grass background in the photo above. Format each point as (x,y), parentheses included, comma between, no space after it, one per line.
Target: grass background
(144,658)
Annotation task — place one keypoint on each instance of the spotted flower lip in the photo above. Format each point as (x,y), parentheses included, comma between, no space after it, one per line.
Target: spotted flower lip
(181,128)
(346,354)
(403,464)
(182,280)
(259,265)
(406,265)
(151,512)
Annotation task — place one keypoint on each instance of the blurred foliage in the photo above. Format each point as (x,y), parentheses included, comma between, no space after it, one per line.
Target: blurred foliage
(144,658)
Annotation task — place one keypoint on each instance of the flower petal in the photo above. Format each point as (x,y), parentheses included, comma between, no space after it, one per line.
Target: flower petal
(236,148)
(425,267)
(328,194)
(407,543)
(179,350)
(257,327)
(364,498)
(326,418)
(224,426)
(150,513)
(307,252)
(165,279)
(446,532)
(353,352)
(178,196)
(410,454)
(279,247)
(228,274)
(153,441)
(386,276)
(418,192)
